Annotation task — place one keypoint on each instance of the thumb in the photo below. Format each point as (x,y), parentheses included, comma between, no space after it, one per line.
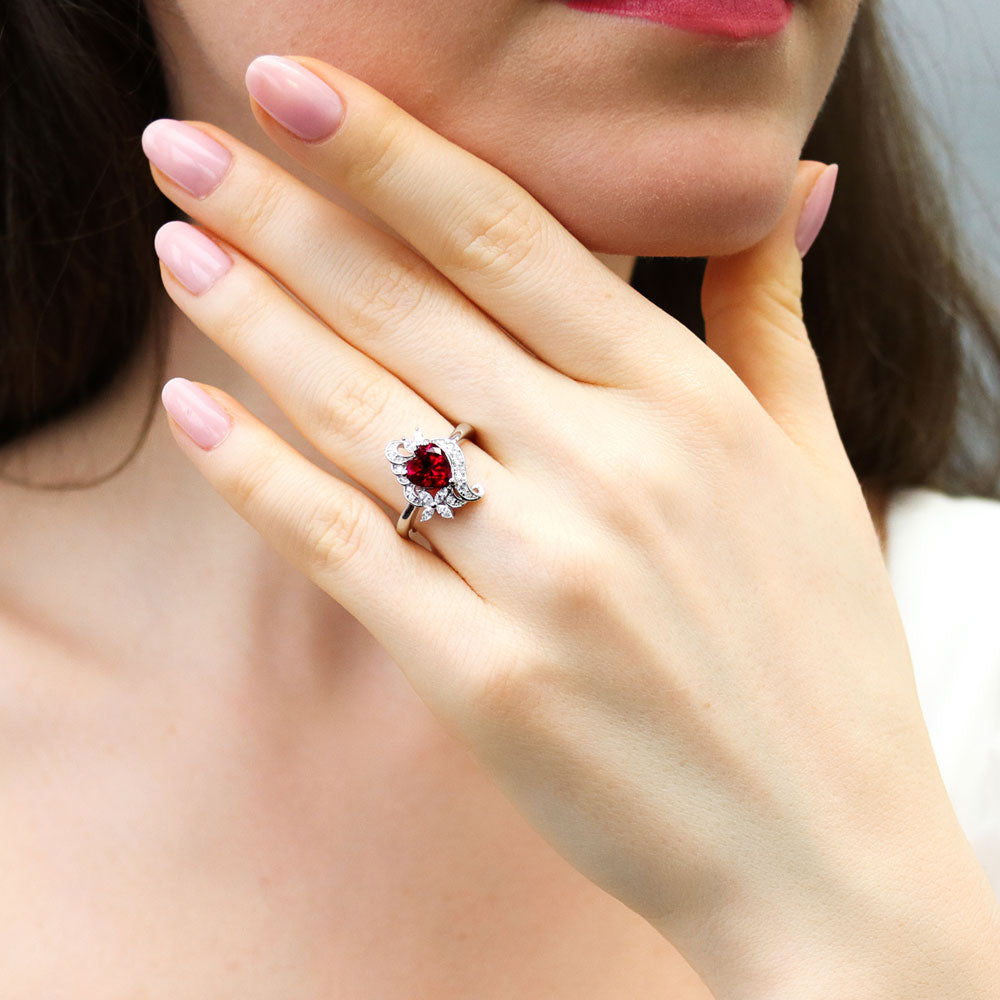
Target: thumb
(752,304)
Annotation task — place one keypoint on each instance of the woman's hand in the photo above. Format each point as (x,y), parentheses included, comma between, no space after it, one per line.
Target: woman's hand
(666,631)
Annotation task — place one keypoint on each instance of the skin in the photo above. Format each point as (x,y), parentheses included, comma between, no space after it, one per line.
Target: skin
(553,97)
(157,726)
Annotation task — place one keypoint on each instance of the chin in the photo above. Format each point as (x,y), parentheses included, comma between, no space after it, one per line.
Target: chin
(707,216)
(703,191)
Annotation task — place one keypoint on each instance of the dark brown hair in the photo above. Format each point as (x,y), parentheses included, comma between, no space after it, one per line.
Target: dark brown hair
(907,340)
(79,80)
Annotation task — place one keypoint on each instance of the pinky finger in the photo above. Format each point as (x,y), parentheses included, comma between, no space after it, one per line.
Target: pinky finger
(332,532)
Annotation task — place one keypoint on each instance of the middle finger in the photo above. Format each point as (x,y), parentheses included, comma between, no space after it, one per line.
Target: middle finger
(378,294)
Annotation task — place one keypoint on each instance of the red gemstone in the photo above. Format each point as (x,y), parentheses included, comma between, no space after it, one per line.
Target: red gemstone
(429,468)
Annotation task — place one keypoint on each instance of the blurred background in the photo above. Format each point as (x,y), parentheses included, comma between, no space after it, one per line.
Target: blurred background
(952,51)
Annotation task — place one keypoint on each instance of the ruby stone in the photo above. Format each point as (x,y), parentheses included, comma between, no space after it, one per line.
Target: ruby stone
(429,468)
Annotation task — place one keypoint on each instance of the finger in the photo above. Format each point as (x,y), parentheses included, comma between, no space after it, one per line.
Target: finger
(334,534)
(475,224)
(375,292)
(752,304)
(340,399)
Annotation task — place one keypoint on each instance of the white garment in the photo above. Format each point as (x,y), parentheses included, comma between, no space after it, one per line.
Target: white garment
(943,555)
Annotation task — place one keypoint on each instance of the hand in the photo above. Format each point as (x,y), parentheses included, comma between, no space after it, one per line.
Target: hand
(666,631)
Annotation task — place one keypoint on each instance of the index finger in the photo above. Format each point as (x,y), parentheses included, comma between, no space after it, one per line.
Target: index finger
(475,224)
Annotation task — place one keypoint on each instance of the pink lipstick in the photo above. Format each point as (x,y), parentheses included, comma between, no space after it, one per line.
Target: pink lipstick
(738,19)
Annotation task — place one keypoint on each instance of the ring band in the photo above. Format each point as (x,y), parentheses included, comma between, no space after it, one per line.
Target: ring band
(432,475)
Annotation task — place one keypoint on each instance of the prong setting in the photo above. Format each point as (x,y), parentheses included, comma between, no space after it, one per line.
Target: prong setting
(417,461)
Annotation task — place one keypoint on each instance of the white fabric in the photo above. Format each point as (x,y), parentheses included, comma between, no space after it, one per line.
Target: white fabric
(943,555)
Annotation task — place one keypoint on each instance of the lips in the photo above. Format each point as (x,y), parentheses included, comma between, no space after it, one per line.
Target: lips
(736,19)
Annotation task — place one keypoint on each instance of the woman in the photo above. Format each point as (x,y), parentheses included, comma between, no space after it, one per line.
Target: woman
(642,719)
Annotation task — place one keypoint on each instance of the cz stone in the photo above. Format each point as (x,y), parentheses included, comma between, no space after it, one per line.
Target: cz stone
(429,468)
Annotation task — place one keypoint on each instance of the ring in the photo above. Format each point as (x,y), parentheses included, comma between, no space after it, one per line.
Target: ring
(433,476)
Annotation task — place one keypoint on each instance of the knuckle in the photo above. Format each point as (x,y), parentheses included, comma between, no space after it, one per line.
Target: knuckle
(250,311)
(512,693)
(354,403)
(496,237)
(385,292)
(785,296)
(250,488)
(336,534)
(575,570)
(267,202)
(775,305)
(624,511)
(583,572)
(382,152)
(265,492)
(701,398)
(770,300)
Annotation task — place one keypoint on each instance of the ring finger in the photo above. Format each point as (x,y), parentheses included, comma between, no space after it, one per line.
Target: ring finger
(343,401)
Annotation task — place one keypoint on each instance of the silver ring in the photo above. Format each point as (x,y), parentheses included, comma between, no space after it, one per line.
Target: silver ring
(432,475)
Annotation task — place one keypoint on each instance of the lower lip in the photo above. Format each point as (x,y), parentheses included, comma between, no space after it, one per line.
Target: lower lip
(738,19)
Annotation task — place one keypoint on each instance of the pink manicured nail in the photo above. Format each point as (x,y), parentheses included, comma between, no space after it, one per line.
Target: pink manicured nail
(192,258)
(186,155)
(815,210)
(198,415)
(293,96)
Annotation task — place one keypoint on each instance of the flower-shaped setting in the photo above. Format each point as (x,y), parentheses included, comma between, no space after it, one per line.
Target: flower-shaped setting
(432,471)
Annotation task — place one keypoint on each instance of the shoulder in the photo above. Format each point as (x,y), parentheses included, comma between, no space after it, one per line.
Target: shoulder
(943,554)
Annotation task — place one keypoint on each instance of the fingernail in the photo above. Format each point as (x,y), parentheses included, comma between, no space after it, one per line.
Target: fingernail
(197,414)
(294,97)
(191,257)
(815,209)
(186,155)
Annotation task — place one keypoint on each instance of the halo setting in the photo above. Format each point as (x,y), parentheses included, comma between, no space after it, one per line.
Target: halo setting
(433,474)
